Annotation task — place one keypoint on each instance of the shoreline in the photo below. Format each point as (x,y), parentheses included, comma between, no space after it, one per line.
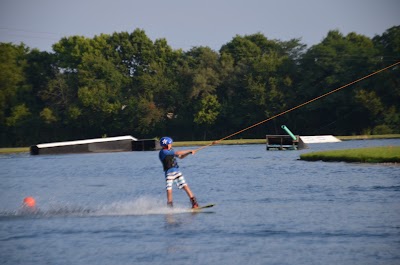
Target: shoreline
(11,150)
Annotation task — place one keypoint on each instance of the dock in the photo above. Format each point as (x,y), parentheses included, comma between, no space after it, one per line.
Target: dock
(284,142)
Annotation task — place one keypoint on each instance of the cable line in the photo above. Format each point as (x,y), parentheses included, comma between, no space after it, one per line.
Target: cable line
(299,106)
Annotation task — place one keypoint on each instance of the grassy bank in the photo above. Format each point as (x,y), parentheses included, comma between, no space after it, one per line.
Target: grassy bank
(14,150)
(368,137)
(388,154)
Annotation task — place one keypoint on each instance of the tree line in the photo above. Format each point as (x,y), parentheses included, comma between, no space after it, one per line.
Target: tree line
(127,84)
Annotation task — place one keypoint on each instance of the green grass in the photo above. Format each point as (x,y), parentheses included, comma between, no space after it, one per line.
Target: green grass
(14,150)
(388,154)
(368,137)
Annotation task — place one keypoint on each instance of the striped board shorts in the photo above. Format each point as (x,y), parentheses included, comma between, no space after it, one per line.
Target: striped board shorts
(176,177)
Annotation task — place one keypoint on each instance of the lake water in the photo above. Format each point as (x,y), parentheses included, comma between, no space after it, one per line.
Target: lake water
(271,208)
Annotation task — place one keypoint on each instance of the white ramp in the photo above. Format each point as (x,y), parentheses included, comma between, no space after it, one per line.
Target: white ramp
(319,139)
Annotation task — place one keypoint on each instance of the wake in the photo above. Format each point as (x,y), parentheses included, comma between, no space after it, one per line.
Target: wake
(139,206)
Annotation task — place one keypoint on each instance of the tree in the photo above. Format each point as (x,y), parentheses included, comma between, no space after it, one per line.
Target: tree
(196,77)
(148,116)
(12,78)
(132,52)
(125,83)
(387,85)
(99,93)
(260,83)
(69,52)
(13,87)
(208,111)
(336,61)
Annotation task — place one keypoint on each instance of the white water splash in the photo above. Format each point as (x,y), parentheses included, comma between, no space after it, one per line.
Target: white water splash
(138,206)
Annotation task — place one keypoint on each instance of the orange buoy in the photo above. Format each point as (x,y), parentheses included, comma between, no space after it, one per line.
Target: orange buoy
(29,202)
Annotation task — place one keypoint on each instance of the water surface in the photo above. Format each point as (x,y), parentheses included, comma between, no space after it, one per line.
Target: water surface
(271,209)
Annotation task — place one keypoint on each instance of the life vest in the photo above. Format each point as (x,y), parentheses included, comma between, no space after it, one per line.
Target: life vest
(168,161)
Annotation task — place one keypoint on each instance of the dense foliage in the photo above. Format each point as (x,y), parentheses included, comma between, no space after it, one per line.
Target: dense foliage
(126,84)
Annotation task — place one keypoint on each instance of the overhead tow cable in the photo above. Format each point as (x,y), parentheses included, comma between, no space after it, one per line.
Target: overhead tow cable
(299,106)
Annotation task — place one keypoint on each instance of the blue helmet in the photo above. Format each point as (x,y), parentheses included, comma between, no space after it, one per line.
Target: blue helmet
(165,141)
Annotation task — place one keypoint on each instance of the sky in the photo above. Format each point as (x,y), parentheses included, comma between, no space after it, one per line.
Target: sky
(190,23)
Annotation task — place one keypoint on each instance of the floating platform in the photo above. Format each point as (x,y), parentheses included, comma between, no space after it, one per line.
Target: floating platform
(284,142)
(99,145)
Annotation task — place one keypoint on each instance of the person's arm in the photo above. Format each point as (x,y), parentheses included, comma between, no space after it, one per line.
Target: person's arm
(184,153)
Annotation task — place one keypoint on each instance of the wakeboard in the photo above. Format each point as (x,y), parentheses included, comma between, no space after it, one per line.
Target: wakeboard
(200,208)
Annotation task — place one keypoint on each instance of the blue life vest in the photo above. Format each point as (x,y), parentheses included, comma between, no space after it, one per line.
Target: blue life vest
(168,159)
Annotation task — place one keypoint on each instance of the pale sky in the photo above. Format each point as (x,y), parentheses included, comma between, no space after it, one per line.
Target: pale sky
(188,23)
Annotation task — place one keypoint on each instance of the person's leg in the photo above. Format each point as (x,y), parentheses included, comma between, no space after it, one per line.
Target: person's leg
(169,183)
(191,196)
(181,183)
(169,198)
(188,191)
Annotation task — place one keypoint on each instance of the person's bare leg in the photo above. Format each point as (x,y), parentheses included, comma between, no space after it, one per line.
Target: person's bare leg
(188,191)
(191,196)
(169,197)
